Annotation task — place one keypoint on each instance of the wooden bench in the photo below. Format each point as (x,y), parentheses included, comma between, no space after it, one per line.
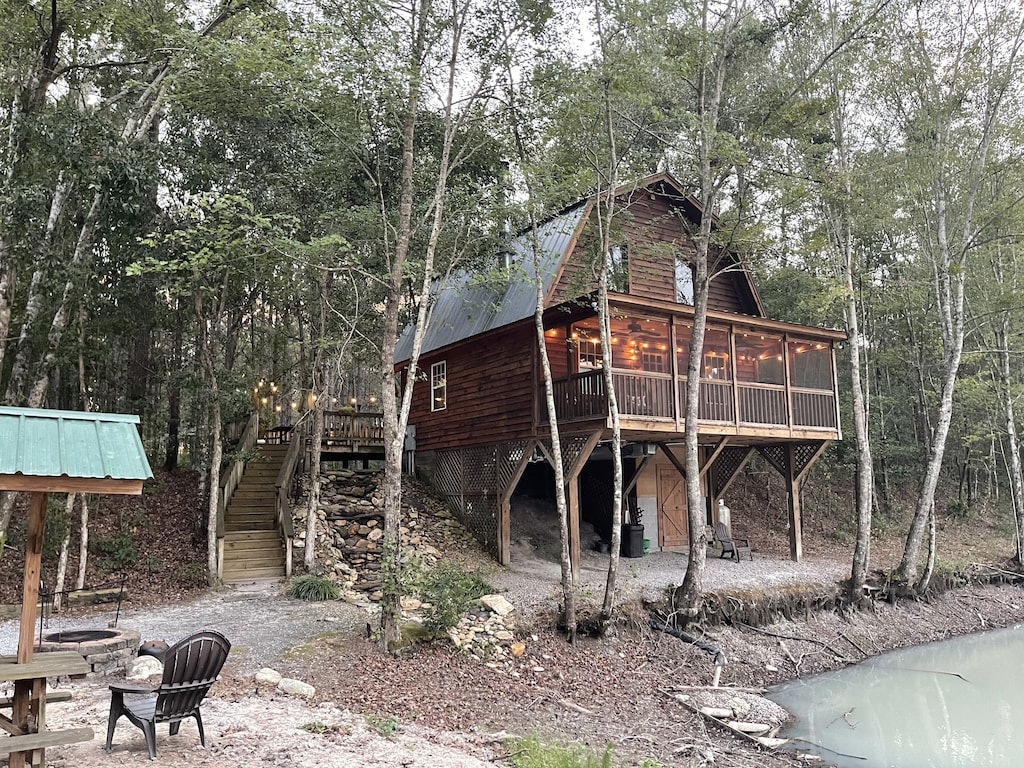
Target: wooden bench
(51,697)
(33,674)
(44,740)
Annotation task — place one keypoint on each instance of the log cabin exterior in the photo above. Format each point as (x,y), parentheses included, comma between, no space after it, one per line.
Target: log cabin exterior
(478,421)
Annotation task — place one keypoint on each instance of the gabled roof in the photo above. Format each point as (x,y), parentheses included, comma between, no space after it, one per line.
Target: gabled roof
(70,451)
(466,306)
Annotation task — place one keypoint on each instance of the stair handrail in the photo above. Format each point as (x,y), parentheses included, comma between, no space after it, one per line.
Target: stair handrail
(283,484)
(232,477)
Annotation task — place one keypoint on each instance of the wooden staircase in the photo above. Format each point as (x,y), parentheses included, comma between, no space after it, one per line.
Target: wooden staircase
(253,548)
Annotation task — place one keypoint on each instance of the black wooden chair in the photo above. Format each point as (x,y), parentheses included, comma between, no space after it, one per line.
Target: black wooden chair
(190,668)
(734,548)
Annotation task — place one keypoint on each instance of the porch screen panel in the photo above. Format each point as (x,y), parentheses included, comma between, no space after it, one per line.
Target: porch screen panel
(814,403)
(717,402)
(761,378)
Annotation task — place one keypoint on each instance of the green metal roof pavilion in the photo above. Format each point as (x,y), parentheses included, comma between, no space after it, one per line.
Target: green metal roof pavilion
(71,451)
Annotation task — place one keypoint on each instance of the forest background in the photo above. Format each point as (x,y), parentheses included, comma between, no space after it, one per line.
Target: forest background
(200,199)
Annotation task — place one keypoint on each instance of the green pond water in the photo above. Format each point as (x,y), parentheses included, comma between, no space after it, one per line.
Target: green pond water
(953,704)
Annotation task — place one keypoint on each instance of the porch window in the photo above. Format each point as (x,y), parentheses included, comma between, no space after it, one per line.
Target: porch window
(759,359)
(810,364)
(717,361)
(439,386)
(618,269)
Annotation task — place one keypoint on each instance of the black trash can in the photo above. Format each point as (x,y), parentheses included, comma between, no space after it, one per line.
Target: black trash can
(632,541)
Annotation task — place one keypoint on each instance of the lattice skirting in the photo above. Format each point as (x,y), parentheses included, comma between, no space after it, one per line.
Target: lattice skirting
(473,481)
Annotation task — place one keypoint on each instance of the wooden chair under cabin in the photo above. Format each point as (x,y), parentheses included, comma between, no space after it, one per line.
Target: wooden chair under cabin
(190,668)
(733,547)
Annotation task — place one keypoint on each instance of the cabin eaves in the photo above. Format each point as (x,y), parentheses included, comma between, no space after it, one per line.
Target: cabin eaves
(468,306)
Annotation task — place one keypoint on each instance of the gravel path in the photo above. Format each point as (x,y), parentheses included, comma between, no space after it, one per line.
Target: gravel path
(259,619)
(262,623)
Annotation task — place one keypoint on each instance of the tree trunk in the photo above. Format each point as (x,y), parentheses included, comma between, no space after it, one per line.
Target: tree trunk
(173,446)
(83,542)
(394,424)
(1005,368)
(62,561)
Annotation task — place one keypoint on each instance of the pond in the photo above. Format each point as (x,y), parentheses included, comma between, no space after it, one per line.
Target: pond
(951,704)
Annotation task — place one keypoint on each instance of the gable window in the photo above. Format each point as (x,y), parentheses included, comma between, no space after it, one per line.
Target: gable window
(618,269)
(684,282)
(439,386)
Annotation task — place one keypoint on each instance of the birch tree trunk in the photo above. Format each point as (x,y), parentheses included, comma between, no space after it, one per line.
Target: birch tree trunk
(710,86)
(1013,440)
(605,209)
(62,561)
(83,542)
(956,163)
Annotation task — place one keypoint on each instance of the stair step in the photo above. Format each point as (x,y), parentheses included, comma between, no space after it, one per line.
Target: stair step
(252,539)
(236,564)
(252,548)
(254,573)
(270,525)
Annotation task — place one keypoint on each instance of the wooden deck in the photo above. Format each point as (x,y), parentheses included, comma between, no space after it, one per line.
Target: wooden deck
(736,406)
(347,436)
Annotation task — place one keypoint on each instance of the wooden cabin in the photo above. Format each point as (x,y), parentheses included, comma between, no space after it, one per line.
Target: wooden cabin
(479,427)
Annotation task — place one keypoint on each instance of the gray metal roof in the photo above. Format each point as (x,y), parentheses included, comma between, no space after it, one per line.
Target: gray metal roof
(47,443)
(467,305)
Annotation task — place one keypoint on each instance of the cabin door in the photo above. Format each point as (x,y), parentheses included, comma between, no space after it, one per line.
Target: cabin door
(672,525)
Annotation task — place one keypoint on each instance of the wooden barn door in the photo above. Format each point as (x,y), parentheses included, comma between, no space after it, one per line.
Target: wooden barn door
(673,530)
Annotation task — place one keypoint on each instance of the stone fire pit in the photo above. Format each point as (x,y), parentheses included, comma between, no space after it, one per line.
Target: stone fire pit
(107,651)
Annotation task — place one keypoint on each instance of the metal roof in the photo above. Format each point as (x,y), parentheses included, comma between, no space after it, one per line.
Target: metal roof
(48,443)
(466,305)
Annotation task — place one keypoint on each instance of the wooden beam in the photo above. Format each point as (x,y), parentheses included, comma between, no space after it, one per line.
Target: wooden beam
(33,568)
(505,507)
(811,461)
(795,518)
(64,484)
(573,499)
(727,483)
(33,741)
(636,476)
(672,458)
(714,455)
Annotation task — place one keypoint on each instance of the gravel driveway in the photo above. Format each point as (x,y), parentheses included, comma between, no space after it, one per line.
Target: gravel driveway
(263,623)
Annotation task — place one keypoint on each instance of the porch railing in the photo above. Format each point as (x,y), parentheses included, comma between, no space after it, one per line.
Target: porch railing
(652,396)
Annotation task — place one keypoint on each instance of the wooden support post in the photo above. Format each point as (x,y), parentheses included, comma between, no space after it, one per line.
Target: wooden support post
(28,694)
(795,519)
(33,569)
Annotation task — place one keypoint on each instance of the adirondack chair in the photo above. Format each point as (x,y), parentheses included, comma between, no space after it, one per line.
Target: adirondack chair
(190,668)
(734,548)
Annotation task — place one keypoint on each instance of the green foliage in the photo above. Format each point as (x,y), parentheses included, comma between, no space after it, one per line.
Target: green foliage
(958,509)
(313,588)
(191,575)
(385,726)
(114,554)
(531,752)
(450,589)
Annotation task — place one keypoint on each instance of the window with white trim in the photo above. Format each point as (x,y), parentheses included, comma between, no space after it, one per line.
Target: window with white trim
(439,386)
(618,269)
(684,282)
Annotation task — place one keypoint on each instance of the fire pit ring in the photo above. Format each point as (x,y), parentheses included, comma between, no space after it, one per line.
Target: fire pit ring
(107,651)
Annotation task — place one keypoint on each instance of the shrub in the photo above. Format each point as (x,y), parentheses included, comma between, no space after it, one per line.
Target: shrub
(532,753)
(114,554)
(313,588)
(451,590)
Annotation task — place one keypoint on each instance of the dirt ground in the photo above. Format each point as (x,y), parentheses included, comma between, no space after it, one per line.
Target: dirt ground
(436,706)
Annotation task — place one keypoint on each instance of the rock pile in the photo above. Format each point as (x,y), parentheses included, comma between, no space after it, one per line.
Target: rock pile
(350,529)
(486,633)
